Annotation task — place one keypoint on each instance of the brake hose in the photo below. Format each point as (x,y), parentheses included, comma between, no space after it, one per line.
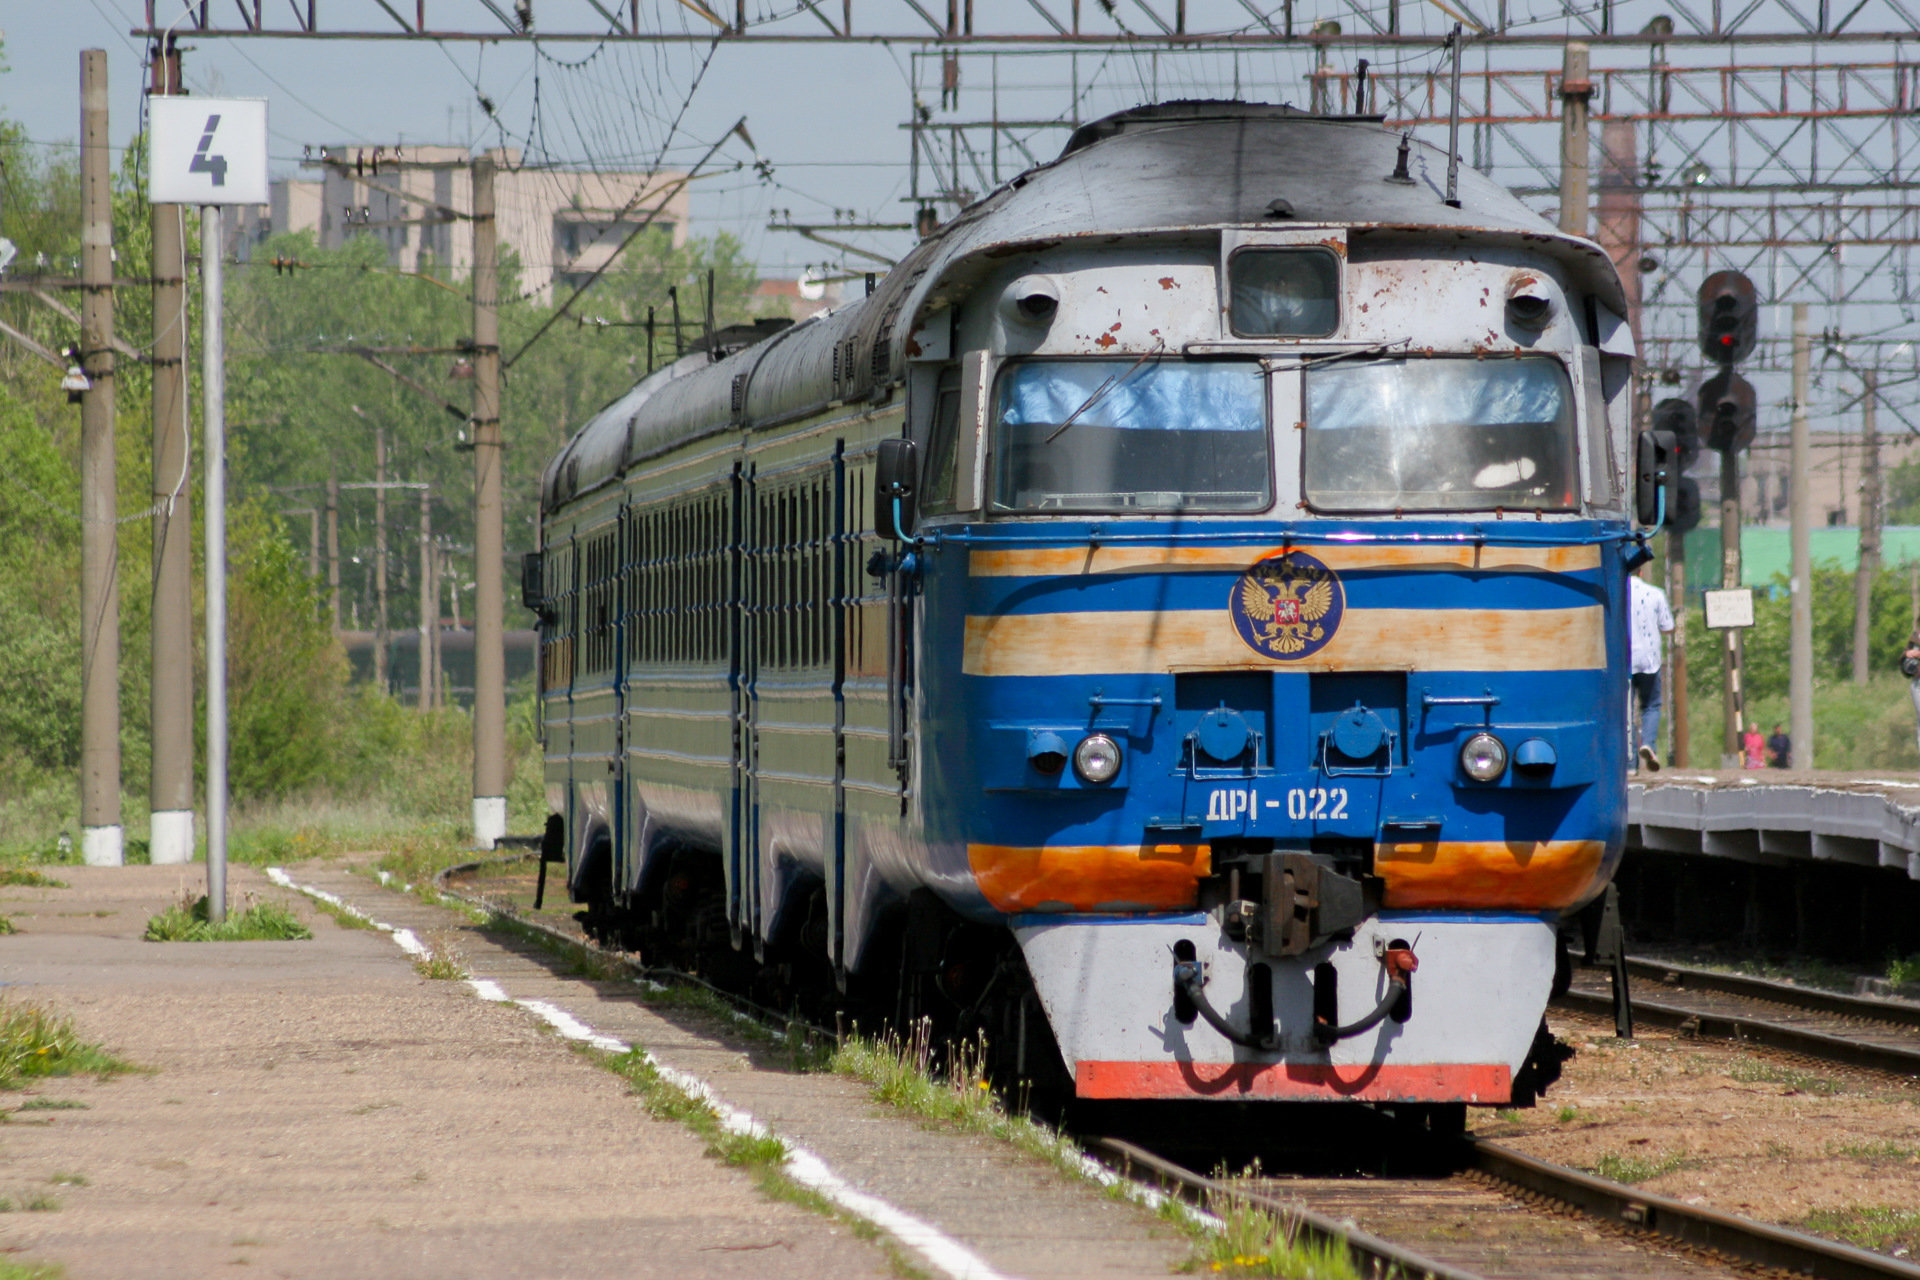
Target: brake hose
(1190,980)
(1399,962)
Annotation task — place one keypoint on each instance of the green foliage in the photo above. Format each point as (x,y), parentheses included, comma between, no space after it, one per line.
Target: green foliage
(1857,727)
(1257,1241)
(1883,1227)
(258,922)
(35,1044)
(1631,1169)
(28,878)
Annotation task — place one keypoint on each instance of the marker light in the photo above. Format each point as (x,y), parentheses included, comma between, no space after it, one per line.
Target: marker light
(1097,758)
(1484,757)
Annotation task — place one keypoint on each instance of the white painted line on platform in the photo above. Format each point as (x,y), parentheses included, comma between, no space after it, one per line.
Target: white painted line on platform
(946,1254)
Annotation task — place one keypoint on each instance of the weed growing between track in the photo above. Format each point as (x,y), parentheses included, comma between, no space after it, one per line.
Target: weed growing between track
(1255,1241)
(258,922)
(1889,1229)
(36,1044)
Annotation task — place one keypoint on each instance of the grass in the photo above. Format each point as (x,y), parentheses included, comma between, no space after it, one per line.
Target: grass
(442,961)
(11,1270)
(35,1044)
(68,1179)
(28,878)
(1885,1228)
(1632,1169)
(1753,1071)
(7,925)
(1254,1241)
(1878,1152)
(257,922)
(51,1104)
(35,1203)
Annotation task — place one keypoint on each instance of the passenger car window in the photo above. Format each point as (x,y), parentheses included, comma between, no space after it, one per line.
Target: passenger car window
(1440,434)
(1115,435)
(1283,293)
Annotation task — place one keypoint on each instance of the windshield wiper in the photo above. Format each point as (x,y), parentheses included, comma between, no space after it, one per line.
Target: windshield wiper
(1113,379)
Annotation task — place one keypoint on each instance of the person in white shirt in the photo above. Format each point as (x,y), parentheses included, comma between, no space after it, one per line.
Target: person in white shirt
(1649,620)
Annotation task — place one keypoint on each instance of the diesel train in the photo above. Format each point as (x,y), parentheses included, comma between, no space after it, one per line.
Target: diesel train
(1173,624)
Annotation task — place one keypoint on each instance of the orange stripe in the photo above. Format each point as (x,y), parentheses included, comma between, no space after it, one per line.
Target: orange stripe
(1142,877)
(1069,644)
(1035,562)
(1306,1081)
(1520,875)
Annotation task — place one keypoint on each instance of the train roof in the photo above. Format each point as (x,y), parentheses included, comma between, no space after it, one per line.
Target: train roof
(1162,169)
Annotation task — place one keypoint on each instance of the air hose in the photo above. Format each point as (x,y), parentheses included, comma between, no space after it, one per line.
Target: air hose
(1190,981)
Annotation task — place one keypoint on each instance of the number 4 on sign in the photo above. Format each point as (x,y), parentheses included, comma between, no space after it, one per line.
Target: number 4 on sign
(204,163)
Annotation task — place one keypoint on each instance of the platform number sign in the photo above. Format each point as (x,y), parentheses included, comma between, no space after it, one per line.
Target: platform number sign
(208,151)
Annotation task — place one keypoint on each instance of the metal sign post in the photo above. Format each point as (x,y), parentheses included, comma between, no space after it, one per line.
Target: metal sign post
(212,153)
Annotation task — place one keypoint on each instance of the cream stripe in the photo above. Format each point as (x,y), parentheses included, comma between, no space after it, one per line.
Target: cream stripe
(1071,644)
(1030,562)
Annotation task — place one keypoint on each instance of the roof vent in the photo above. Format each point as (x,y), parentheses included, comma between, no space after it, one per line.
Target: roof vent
(1280,208)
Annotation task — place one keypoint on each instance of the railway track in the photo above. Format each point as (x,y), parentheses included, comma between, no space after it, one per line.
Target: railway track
(1489,1213)
(1852,1031)
(1469,1209)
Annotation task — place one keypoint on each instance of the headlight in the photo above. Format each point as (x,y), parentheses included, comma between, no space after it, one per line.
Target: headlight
(1484,757)
(1097,758)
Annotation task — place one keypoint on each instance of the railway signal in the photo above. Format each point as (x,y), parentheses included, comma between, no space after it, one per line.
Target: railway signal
(1729,317)
(1729,411)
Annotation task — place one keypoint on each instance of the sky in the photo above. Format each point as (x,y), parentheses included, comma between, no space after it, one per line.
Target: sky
(830,149)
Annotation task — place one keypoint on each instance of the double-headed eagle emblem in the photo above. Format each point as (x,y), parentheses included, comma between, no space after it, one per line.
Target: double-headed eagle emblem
(1287,606)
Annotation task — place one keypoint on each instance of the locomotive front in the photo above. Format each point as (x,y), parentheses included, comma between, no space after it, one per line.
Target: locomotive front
(1271,547)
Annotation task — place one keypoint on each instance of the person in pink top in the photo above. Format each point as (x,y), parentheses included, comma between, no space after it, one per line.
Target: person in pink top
(1754,748)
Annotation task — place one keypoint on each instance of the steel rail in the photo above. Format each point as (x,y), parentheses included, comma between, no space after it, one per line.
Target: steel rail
(1868,1008)
(1397,1261)
(1758,1031)
(1639,1212)
(1742,1238)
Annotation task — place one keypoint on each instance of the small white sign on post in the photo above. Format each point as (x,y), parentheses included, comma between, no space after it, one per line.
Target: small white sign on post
(1730,608)
(207,150)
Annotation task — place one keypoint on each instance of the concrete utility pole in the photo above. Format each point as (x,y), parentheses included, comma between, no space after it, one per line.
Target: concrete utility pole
(102,840)
(170,777)
(1869,566)
(489,654)
(425,665)
(1575,149)
(1800,583)
(380,636)
(213,388)
(333,546)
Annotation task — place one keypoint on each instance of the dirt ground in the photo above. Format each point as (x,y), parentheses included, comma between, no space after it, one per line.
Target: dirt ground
(1744,1130)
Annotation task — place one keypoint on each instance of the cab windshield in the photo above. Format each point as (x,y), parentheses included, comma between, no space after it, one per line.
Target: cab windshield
(1440,434)
(1129,434)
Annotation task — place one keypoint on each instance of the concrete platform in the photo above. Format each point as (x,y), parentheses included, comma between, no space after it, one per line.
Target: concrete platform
(1776,817)
(319,1109)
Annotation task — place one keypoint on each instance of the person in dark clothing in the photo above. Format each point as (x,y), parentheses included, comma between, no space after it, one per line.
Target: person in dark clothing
(1779,748)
